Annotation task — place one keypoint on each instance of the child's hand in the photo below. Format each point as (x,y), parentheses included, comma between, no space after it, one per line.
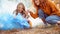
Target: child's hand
(28,11)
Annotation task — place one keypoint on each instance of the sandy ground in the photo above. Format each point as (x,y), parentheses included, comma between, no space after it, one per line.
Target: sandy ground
(37,30)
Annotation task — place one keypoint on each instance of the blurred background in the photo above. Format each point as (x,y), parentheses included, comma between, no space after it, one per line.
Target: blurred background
(8,6)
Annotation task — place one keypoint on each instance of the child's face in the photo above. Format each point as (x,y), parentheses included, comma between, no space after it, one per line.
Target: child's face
(20,8)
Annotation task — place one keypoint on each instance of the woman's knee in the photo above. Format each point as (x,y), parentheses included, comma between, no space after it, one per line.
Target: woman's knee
(52,19)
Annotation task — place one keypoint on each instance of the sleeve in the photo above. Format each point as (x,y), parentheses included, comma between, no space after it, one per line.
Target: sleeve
(55,10)
(34,15)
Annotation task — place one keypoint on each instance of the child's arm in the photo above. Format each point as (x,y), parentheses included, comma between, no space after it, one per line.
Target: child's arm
(26,14)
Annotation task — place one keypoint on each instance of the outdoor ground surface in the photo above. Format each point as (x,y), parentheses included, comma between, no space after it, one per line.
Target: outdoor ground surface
(37,30)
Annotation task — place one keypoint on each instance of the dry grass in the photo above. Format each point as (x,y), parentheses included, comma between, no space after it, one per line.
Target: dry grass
(38,30)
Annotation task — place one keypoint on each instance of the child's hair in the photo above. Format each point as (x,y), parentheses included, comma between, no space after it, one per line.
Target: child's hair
(23,8)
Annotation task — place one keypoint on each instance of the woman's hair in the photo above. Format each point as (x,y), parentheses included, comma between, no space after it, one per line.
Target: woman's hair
(47,6)
(23,8)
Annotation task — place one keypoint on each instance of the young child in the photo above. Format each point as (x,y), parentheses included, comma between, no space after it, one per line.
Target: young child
(21,9)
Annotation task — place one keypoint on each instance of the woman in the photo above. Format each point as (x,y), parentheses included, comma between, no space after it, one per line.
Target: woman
(47,11)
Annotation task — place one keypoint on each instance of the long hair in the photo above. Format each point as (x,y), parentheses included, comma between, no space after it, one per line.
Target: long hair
(47,6)
(23,8)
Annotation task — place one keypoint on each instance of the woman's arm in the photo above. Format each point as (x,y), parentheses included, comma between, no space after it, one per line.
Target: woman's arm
(34,15)
(55,10)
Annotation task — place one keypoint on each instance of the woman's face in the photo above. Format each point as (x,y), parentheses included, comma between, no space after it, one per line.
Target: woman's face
(37,2)
(20,8)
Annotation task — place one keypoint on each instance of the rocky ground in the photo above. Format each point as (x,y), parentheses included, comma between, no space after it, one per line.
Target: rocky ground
(37,30)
